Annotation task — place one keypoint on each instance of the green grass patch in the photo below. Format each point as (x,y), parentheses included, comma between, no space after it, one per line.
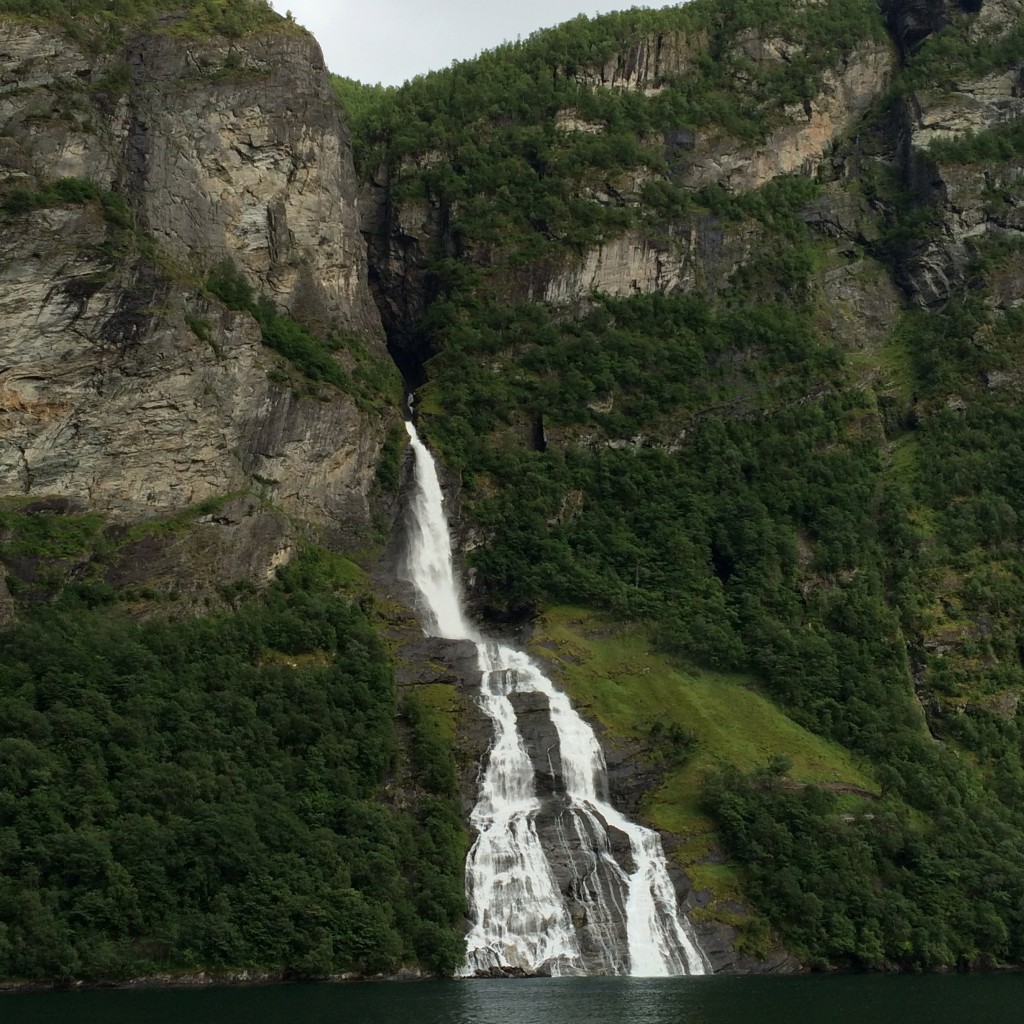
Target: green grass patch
(47,534)
(613,673)
(180,520)
(903,456)
(895,366)
(440,703)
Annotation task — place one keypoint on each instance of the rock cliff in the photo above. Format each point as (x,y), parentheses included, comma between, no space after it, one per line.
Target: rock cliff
(809,131)
(825,135)
(970,199)
(122,383)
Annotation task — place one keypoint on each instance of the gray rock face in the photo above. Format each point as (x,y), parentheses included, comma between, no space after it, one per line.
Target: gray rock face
(697,255)
(809,132)
(970,201)
(120,383)
(107,393)
(579,876)
(243,153)
(647,64)
(43,130)
(241,541)
(232,150)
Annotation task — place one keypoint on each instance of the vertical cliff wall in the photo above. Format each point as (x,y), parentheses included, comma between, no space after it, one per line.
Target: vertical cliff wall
(124,385)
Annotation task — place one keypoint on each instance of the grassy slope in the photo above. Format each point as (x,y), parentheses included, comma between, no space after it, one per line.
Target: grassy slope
(613,674)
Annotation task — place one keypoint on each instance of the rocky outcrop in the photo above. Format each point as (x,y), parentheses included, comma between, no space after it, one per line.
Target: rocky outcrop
(227,149)
(961,103)
(806,136)
(120,382)
(646,65)
(968,201)
(242,152)
(692,255)
(968,107)
(859,301)
(699,254)
(913,21)
(108,393)
(241,540)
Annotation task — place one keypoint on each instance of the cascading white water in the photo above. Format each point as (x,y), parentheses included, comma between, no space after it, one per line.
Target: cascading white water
(622,917)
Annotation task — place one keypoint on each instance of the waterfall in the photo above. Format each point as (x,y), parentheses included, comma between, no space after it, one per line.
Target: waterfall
(562,883)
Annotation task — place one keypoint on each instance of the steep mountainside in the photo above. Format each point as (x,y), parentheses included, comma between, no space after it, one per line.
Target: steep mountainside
(130,175)
(714,315)
(716,309)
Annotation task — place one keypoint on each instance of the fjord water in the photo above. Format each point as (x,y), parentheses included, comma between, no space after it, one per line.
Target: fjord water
(625,919)
(876,999)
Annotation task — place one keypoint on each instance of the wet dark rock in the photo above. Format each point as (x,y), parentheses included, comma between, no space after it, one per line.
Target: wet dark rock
(541,741)
(7,616)
(718,940)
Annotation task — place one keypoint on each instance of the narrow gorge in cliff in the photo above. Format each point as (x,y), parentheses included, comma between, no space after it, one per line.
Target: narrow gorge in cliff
(713,315)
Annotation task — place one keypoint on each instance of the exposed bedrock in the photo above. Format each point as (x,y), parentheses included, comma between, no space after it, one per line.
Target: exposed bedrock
(121,383)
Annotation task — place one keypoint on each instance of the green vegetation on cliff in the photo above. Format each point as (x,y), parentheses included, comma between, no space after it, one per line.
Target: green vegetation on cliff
(102,21)
(835,513)
(314,354)
(529,158)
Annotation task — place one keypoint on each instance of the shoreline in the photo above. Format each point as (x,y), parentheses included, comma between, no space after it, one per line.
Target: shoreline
(208,979)
(257,979)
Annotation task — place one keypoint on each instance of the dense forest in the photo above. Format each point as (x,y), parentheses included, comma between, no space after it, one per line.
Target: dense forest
(211,793)
(104,22)
(793,464)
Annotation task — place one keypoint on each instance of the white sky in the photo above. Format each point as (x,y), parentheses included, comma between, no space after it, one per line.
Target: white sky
(390,41)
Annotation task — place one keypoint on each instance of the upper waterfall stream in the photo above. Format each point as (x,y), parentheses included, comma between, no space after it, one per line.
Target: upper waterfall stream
(558,883)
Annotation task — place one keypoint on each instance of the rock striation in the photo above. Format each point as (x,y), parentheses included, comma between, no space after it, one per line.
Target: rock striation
(646,66)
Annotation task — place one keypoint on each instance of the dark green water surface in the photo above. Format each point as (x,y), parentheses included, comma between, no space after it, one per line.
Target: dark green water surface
(931,999)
